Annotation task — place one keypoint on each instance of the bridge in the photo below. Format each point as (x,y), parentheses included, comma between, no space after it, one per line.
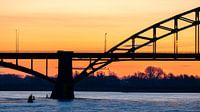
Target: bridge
(127,50)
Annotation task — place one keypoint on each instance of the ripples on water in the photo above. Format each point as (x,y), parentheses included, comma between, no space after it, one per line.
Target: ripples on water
(101,102)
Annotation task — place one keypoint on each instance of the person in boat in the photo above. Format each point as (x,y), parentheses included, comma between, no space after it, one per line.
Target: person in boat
(31,98)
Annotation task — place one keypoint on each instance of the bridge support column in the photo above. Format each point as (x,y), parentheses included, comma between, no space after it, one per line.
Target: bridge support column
(64,87)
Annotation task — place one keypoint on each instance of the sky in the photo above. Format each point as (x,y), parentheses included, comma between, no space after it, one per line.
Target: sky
(80,25)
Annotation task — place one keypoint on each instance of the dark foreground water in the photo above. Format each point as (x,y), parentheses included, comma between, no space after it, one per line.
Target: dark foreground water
(16,101)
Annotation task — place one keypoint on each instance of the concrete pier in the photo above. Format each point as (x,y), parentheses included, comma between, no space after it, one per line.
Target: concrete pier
(64,87)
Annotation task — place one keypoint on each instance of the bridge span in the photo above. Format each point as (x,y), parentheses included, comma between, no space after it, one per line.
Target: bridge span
(104,56)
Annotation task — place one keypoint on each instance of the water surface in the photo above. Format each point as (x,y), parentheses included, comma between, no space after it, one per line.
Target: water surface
(16,101)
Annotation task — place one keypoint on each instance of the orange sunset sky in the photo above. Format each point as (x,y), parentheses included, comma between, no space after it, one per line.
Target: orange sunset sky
(80,25)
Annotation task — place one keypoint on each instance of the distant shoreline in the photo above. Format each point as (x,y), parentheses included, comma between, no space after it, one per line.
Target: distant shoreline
(101,83)
(164,91)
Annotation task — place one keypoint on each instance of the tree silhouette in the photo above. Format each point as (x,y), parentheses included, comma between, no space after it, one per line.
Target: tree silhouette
(140,75)
(154,72)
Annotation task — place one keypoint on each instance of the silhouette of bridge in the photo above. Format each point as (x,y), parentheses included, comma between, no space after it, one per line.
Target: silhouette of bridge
(127,50)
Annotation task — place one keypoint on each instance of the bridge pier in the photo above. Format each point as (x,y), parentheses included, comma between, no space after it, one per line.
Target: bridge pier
(64,87)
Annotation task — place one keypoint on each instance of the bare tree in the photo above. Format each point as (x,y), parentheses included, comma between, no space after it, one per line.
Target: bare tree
(140,75)
(154,72)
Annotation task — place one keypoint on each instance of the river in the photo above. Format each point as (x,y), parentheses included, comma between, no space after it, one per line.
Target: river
(16,101)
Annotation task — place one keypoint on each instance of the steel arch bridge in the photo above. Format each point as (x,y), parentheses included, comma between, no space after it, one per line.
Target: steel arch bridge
(175,28)
(120,52)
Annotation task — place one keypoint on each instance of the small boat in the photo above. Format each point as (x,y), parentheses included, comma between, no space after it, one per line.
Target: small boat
(31,98)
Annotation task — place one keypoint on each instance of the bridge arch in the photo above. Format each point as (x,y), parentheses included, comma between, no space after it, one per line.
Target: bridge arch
(161,25)
(26,70)
(174,29)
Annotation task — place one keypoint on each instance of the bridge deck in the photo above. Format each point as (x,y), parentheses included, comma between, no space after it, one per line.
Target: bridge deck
(117,56)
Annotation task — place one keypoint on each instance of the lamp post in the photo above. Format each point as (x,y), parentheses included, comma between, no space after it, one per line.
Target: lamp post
(105,42)
(17,41)
(17,44)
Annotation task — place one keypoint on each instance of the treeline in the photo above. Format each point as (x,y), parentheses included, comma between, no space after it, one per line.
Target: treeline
(11,82)
(153,79)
